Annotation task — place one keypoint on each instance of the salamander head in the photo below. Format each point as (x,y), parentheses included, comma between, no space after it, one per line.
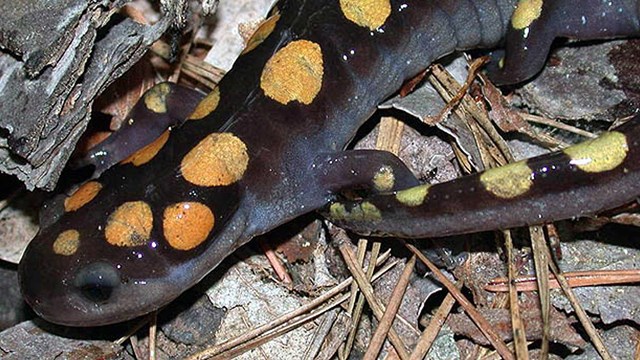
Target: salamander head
(113,258)
(78,278)
(68,284)
(86,293)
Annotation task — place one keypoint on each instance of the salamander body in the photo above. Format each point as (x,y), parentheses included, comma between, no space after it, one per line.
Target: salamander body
(267,146)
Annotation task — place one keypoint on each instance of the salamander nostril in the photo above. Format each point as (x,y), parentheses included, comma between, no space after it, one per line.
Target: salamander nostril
(97,281)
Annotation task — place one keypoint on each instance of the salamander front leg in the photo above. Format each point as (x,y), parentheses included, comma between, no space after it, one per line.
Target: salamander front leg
(374,170)
(163,106)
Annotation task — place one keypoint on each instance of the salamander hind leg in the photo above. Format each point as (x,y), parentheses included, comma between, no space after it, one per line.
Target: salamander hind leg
(536,24)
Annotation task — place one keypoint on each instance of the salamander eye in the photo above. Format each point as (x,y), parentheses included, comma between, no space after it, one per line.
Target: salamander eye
(97,281)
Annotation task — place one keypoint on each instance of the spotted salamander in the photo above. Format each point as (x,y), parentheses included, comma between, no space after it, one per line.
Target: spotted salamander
(267,146)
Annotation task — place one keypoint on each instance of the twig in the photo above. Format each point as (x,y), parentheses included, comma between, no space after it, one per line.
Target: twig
(557,124)
(574,279)
(367,291)
(598,344)
(538,245)
(431,332)
(359,306)
(517,327)
(485,327)
(377,340)
(249,335)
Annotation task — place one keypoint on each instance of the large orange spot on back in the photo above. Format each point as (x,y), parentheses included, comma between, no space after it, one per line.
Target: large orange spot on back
(187,224)
(207,105)
(82,196)
(148,152)
(294,73)
(130,224)
(219,159)
(367,13)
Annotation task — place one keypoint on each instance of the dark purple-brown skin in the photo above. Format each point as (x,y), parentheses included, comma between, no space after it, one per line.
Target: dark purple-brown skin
(296,163)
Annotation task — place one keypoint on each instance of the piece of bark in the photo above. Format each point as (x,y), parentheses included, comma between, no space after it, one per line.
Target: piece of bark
(42,117)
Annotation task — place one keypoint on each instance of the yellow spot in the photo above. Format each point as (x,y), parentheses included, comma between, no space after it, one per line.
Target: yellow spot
(148,152)
(526,13)
(207,105)
(187,224)
(262,32)
(337,211)
(601,154)
(130,224)
(365,211)
(367,13)
(294,73)
(413,196)
(156,98)
(219,159)
(384,179)
(67,243)
(508,181)
(82,196)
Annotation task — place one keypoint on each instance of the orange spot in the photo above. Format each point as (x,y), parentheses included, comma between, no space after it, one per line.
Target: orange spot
(148,152)
(294,73)
(82,196)
(130,224)
(219,159)
(67,243)
(187,224)
(207,105)
(368,13)
(262,32)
